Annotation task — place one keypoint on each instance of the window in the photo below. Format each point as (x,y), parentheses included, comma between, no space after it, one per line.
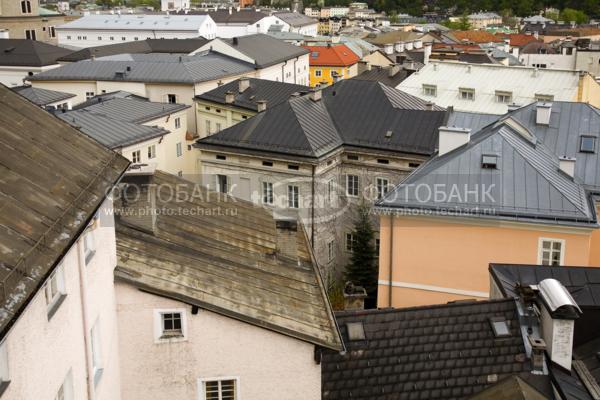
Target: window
(293,167)
(587,144)
(430,90)
(51,32)
(123,38)
(221,157)
(318,72)
(96,352)
(544,97)
(293,196)
(413,165)
(178,149)
(382,187)
(136,38)
(136,157)
(26,7)
(222,183)
(218,127)
(179,173)
(170,325)
(267,192)
(331,190)
(99,38)
(68,37)
(551,251)
(219,389)
(171,98)
(499,327)
(383,161)
(151,152)
(89,247)
(352,185)
(267,163)
(503,97)
(65,392)
(54,290)
(112,38)
(352,157)
(330,250)
(350,241)
(89,95)
(356,331)
(208,127)
(377,247)
(177,123)
(467,94)
(30,34)
(4,372)
(489,161)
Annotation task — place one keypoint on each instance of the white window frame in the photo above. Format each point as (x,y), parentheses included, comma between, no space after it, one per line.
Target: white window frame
(208,127)
(89,95)
(218,183)
(430,90)
(202,382)
(384,188)
(136,156)
(267,192)
(552,241)
(89,245)
(318,73)
(331,191)
(293,192)
(158,325)
(96,348)
(55,289)
(151,151)
(349,238)
(31,33)
(26,7)
(466,94)
(4,367)
(179,149)
(352,194)
(177,123)
(503,97)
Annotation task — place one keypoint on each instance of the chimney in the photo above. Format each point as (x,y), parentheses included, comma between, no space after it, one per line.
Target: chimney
(417,44)
(507,45)
(543,112)
(394,69)
(427,52)
(229,97)
(287,234)
(429,106)
(388,49)
(451,137)
(316,94)
(136,203)
(354,297)
(235,41)
(261,105)
(538,349)
(408,46)
(363,66)
(567,165)
(558,314)
(243,84)
(513,107)
(399,47)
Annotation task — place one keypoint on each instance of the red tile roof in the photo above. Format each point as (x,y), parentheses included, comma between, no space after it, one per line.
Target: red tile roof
(338,55)
(476,36)
(518,39)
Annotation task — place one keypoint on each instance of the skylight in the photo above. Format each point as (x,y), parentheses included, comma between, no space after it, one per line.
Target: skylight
(356,331)
(500,327)
(587,144)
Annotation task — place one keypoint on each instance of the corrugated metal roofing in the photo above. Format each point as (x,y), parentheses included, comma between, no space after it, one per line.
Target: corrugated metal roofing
(164,68)
(524,83)
(473,121)
(233,16)
(137,22)
(53,179)
(42,97)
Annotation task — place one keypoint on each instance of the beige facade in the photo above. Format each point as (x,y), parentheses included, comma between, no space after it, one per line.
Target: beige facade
(22,19)
(50,346)
(214,117)
(588,60)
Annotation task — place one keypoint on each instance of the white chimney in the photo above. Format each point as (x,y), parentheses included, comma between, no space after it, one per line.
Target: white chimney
(408,46)
(243,84)
(229,97)
(388,49)
(316,94)
(394,69)
(399,47)
(451,137)
(558,314)
(418,44)
(427,52)
(567,165)
(513,107)
(543,112)
(261,105)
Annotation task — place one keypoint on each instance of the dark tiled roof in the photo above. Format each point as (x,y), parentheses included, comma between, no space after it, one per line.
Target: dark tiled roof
(351,112)
(568,384)
(512,388)
(582,282)
(433,352)
(29,53)
(264,49)
(174,46)
(243,16)
(42,97)
(272,92)
(382,74)
(53,178)
(228,263)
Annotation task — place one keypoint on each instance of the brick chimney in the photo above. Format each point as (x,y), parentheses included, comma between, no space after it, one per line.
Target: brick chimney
(354,297)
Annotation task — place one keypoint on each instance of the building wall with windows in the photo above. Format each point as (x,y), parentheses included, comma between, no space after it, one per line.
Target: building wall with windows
(46,344)
(588,60)
(323,74)
(557,61)
(213,117)
(34,26)
(436,260)
(264,364)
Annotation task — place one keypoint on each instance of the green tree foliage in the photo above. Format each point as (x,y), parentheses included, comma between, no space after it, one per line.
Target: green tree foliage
(570,14)
(362,269)
(461,25)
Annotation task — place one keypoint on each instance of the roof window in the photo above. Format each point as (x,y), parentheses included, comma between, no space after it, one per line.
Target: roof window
(356,331)
(587,144)
(489,161)
(500,327)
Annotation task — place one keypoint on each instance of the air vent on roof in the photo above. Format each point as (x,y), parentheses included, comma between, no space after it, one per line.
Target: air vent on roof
(8,50)
(356,331)
(389,134)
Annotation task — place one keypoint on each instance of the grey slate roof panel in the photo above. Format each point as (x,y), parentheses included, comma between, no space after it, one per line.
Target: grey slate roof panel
(132,110)
(380,74)
(265,50)
(351,112)
(226,17)
(273,92)
(164,68)
(42,97)
(432,352)
(295,19)
(29,53)
(470,120)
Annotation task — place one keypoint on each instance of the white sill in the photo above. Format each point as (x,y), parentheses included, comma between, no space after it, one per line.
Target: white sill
(171,338)
(55,305)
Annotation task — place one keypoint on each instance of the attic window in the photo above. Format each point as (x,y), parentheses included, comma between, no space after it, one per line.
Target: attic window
(356,331)
(467,94)
(489,161)
(500,327)
(587,144)
(293,167)
(267,163)
(221,157)
(383,161)
(352,157)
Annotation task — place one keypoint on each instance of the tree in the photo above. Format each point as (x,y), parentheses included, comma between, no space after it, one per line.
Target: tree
(461,25)
(362,269)
(570,15)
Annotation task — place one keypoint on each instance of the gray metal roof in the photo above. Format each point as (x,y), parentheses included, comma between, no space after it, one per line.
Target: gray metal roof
(296,19)
(526,185)
(137,22)
(42,97)
(264,49)
(471,120)
(351,112)
(229,16)
(164,68)
(29,53)
(133,110)
(272,92)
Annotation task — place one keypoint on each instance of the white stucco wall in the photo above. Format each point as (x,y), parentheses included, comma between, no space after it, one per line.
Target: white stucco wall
(555,61)
(80,38)
(229,30)
(295,70)
(41,352)
(13,76)
(269,366)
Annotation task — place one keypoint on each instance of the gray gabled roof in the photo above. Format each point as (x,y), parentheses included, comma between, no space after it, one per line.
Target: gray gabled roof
(296,19)
(273,92)
(264,49)
(163,68)
(155,22)
(358,113)
(526,185)
(42,97)
(29,53)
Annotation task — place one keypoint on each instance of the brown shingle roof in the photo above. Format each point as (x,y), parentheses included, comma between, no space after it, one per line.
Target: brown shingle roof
(476,37)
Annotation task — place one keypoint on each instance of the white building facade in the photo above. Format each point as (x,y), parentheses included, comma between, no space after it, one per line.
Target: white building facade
(173,5)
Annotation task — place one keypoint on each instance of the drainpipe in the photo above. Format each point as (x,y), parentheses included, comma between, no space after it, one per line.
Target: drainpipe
(312,210)
(84,319)
(391,260)
(283,71)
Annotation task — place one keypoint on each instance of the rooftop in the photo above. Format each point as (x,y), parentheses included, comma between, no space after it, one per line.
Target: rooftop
(296,19)
(272,92)
(229,264)
(334,55)
(154,22)
(29,53)
(233,16)
(264,49)
(392,37)
(53,184)
(382,74)
(163,68)
(42,97)
(475,37)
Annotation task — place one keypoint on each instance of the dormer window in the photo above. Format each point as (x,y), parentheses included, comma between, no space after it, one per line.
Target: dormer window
(489,161)
(430,90)
(503,97)
(587,144)
(467,94)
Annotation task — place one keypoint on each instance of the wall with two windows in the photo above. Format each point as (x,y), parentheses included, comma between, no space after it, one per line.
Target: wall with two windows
(209,352)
